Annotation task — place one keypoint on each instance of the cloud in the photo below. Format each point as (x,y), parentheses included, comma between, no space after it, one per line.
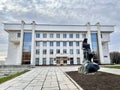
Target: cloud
(62,12)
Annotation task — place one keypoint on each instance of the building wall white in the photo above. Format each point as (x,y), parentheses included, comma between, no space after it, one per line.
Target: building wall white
(61,47)
(15,47)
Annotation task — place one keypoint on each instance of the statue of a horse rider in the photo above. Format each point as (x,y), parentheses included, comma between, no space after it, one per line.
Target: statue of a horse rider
(88,66)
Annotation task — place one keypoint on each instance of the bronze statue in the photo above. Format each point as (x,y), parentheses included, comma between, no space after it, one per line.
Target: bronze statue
(88,66)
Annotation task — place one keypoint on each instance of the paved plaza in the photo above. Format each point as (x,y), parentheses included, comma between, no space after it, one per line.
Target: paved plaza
(41,78)
(46,78)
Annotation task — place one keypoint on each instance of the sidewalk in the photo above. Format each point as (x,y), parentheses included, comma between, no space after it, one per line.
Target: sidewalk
(47,78)
(41,78)
(110,70)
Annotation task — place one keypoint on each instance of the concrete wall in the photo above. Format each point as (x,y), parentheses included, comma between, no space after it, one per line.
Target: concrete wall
(13,49)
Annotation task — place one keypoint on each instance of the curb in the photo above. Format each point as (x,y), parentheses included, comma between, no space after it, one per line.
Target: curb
(80,88)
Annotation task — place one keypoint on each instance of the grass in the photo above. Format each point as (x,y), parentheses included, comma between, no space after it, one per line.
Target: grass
(4,79)
(117,67)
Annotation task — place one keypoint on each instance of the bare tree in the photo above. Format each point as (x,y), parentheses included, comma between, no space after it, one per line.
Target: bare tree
(115,57)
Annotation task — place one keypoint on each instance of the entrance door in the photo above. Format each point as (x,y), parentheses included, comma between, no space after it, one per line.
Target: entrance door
(61,61)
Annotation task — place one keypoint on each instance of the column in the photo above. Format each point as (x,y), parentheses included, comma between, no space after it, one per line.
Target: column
(100,43)
(89,34)
(81,53)
(21,42)
(33,44)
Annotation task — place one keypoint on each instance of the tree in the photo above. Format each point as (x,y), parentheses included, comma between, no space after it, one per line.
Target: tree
(115,57)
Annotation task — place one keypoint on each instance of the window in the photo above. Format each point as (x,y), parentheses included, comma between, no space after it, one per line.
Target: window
(51,61)
(70,43)
(58,36)
(37,51)
(37,43)
(51,35)
(64,43)
(78,60)
(57,43)
(44,61)
(51,43)
(37,35)
(71,51)
(77,51)
(44,35)
(44,51)
(64,35)
(70,35)
(101,35)
(77,43)
(58,51)
(83,35)
(18,34)
(26,55)
(51,51)
(44,43)
(36,61)
(64,51)
(77,36)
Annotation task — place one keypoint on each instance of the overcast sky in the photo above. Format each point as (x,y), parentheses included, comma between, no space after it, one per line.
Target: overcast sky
(61,12)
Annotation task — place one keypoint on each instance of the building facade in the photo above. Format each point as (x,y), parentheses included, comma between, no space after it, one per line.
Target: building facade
(46,44)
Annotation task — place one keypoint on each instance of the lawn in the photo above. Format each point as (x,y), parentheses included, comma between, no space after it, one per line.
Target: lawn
(4,79)
(117,67)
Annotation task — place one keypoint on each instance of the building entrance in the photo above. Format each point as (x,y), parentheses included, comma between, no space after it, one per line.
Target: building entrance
(61,60)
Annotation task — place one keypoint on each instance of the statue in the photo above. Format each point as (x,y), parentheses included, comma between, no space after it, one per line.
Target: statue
(88,66)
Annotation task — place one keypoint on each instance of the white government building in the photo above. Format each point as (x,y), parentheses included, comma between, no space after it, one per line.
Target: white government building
(48,44)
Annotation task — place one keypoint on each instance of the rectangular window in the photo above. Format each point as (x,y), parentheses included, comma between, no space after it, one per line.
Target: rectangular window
(57,43)
(51,35)
(37,51)
(36,61)
(101,35)
(77,51)
(37,35)
(44,51)
(18,34)
(37,43)
(64,51)
(70,35)
(51,44)
(58,36)
(64,43)
(44,44)
(71,51)
(51,51)
(77,36)
(44,35)
(58,51)
(70,43)
(78,60)
(83,35)
(64,35)
(44,61)
(51,61)
(77,43)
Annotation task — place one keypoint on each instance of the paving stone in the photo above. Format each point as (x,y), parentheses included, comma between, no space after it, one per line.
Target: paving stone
(41,78)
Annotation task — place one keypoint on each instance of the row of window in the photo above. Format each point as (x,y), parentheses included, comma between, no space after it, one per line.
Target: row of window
(51,61)
(57,51)
(57,43)
(44,35)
